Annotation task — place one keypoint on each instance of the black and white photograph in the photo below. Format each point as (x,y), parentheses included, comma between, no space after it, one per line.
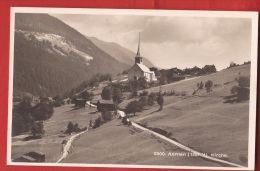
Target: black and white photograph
(132,88)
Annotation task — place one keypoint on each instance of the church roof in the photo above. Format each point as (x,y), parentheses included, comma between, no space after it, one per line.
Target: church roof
(144,68)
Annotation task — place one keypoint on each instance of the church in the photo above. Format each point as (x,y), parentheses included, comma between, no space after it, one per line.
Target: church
(139,70)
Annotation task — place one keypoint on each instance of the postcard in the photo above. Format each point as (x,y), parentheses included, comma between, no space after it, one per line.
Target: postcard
(132,88)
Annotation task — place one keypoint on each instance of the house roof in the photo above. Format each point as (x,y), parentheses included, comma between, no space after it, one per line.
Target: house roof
(101,101)
(144,68)
(80,99)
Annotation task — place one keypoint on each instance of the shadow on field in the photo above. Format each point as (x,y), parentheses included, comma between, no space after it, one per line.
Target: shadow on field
(92,113)
(231,99)
(31,138)
(158,110)
(77,108)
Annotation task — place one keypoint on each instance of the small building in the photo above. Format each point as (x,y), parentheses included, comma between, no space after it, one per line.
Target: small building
(106,105)
(31,157)
(80,102)
(139,70)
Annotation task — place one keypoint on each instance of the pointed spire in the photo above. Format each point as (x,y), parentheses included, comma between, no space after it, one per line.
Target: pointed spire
(138,50)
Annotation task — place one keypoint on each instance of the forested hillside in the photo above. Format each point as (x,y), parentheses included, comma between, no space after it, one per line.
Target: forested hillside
(51,58)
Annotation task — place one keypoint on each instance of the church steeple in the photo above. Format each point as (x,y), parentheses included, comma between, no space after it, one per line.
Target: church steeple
(138,50)
(138,58)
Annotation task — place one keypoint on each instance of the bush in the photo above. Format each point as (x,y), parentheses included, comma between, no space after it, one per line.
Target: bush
(76,128)
(106,93)
(172,93)
(142,82)
(160,100)
(42,111)
(134,93)
(57,101)
(209,85)
(70,128)
(38,129)
(243,93)
(22,119)
(200,85)
(134,106)
(243,82)
(97,122)
(117,95)
(86,95)
(107,116)
(163,80)
(151,99)
(144,93)
(177,78)
(143,100)
(90,123)
(243,89)
(234,90)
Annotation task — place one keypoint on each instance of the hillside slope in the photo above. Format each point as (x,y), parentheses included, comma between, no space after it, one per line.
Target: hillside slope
(210,122)
(50,57)
(120,53)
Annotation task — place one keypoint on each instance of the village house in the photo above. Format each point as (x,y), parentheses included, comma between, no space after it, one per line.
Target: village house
(31,157)
(80,103)
(105,105)
(139,70)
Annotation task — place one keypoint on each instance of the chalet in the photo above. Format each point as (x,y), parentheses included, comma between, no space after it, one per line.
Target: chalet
(80,102)
(106,105)
(139,70)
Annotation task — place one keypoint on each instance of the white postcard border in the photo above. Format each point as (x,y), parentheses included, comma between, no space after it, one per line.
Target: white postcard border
(183,13)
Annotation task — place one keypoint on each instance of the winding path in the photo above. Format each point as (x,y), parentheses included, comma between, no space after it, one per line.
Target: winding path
(72,138)
(68,145)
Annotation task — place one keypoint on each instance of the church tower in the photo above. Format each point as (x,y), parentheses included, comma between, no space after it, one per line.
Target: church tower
(138,58)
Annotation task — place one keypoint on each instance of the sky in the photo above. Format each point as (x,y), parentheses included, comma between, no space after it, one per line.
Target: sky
(172,41)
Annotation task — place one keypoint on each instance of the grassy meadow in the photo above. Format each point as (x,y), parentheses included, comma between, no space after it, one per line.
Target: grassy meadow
(208,122)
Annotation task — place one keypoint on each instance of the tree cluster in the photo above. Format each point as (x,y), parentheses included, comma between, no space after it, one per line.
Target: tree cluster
(87,95)
(144,100)
(242,90)
(106,116)
(134,106)
(74,128)
(27,117)
(208,86)
(160,100)
(38,129)
(166,76)
(112,92)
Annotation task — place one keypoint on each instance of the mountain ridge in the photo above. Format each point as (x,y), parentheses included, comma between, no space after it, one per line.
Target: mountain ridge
(119,52)
(50,57)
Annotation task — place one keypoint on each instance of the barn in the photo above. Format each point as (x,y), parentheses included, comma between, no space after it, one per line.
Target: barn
(31,157)
(106,105)
(79,103)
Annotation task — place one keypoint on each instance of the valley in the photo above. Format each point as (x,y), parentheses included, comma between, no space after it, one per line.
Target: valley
(206,122)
